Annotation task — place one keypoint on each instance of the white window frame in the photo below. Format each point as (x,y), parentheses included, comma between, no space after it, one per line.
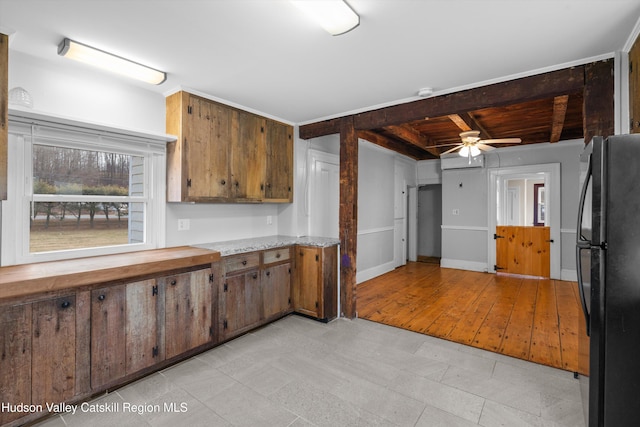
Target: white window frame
(27,129)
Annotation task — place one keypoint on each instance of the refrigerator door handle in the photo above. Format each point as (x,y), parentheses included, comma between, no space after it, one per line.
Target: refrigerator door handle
(582,244)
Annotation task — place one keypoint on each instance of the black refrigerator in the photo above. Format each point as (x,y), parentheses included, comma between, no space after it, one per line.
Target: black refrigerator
(608,266)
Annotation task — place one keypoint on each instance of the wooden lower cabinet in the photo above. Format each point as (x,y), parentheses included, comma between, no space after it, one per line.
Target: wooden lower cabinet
(38,345)
(314,290)
(276,290)
(188,319)
(240,303)
(53,350)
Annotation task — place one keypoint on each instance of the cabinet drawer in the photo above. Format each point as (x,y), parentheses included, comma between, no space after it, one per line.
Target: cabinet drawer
(276,255)
(241,262)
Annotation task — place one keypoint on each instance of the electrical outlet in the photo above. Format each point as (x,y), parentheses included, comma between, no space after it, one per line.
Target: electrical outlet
(184,224)
(456,211)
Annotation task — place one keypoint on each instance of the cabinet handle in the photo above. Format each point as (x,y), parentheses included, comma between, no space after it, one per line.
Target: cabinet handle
(173,283)
(223,182)
(237,184)
(278,255)
(244,262)
(268,273)
(101,297)
(65,304)
(255,275)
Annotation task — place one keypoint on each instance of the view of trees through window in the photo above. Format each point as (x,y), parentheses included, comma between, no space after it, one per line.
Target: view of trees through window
(80,198)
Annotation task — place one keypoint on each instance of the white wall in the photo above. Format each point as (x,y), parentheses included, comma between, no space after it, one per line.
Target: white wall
(465,236)
(85,94)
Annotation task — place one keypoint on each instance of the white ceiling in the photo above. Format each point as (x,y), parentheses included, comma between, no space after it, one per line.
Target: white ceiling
(267,56)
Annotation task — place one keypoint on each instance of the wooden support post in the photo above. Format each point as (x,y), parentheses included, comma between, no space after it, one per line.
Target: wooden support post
(348,216)
(598,108)
(4,113)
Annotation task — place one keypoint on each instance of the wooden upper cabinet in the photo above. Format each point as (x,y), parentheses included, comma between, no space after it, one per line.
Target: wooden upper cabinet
(279,173)
(224,154)
(634,87)
(248,156)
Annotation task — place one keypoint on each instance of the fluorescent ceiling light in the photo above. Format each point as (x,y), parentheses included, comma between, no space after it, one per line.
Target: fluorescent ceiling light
(335,16)
(89,55)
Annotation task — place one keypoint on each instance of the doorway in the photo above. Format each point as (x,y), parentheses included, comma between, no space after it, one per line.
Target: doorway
(323,196)
(430,223)
(521,197)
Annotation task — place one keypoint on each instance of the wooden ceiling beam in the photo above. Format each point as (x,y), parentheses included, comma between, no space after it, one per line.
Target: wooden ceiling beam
(467,121)
(540,86)
(557,119)
(398,147)
(412,136)
(599,101)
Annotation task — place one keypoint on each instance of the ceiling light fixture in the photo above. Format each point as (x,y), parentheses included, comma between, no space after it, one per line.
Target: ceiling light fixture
(99,58)
(469,151)
(335,16)
(425,91)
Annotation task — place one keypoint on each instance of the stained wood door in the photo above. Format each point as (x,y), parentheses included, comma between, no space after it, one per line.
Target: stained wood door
(276,290)
(523,250)
(15,363)
(188,311)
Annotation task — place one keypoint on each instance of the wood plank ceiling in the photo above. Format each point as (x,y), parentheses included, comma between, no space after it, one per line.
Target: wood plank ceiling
(550,119)
(538,109)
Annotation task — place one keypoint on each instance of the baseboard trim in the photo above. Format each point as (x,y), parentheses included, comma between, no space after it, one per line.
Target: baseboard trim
(363,276)
(464,265)
(569,275)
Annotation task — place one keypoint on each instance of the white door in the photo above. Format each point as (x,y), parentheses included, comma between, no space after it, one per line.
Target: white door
(324,195)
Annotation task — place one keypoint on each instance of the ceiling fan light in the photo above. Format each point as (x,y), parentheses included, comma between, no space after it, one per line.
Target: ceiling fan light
(475,151)
(335,16)
(464,151)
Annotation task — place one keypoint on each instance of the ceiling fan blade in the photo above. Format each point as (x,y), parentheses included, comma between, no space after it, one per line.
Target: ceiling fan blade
(485,147)
(452,150)
(501,141)
(444,145)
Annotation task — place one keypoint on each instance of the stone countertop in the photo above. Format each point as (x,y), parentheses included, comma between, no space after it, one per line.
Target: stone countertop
(232,247)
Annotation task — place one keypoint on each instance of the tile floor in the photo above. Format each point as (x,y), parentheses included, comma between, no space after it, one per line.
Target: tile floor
(299,372)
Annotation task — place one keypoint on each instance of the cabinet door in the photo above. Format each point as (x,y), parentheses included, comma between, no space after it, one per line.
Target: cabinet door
(108,335)
(307,283)
(53,357)
(276,290)
(207,142)
(15,363)
(247,156)
(188,311)
(142,332)
(240,303)
(279,173)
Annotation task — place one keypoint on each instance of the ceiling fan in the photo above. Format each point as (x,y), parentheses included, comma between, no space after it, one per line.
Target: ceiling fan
(472,145)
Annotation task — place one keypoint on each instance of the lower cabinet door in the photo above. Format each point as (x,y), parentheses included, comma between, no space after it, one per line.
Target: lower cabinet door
(53,357)
(276,290)
(15,363)
(307,284)
(240,303)
(188,311)
(108,335)
(142,343)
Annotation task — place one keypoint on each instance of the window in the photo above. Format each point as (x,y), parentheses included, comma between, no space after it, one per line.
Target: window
(76,191)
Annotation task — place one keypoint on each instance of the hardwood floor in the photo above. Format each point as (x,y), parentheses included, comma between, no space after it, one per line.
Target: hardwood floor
(527,318)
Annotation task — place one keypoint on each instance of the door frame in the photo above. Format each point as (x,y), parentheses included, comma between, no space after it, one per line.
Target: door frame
(552,178)
(313,158)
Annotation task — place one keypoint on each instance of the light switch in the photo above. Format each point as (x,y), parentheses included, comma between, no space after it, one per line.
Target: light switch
(456,211)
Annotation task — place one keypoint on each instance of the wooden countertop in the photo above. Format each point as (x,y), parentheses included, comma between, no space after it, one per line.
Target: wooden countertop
(30,279)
